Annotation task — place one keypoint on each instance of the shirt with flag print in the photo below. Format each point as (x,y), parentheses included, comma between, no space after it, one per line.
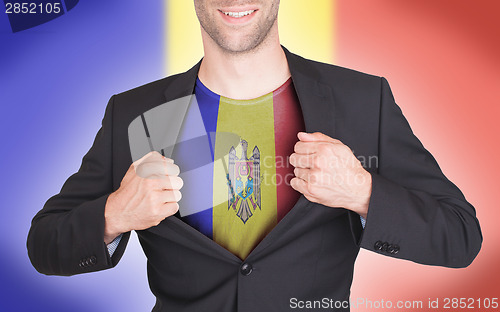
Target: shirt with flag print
(234,160)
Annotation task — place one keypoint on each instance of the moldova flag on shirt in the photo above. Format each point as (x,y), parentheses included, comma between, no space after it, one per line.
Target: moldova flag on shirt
(239,189)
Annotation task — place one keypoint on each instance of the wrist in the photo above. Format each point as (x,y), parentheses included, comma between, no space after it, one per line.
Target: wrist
(363,197)
(111,228)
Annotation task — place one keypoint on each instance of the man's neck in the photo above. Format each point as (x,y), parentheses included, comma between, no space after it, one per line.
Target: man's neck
(244,76)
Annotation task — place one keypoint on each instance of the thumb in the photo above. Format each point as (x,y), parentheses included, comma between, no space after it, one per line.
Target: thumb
(144,157)
(316,137)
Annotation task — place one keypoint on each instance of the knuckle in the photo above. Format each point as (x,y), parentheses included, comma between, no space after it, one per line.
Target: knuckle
(143,169)
(338,141)
(322,148)
(144,166)
(154,156)
(345,150)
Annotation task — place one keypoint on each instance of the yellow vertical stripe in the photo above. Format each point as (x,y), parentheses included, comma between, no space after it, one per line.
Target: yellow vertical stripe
(306,28)
(183,46)
(252,121)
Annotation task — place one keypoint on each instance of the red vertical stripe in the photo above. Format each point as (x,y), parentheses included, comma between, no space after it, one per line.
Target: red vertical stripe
(288,121)
(442,61)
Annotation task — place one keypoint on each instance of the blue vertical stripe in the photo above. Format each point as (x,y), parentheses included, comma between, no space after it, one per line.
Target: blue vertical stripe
(198,191)
(209,108)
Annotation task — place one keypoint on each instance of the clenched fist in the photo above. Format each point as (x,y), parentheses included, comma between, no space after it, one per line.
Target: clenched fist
(327,172)
(148,193)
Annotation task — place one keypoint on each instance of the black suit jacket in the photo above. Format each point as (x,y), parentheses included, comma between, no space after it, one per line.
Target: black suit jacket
(415,212)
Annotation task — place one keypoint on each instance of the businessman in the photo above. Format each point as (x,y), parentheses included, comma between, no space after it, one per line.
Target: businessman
(259,242)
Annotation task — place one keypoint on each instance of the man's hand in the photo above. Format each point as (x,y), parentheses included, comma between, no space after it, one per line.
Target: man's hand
(327,172)
(148,193)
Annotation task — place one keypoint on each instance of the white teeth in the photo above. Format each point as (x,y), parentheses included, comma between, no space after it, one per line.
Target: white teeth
(239,14)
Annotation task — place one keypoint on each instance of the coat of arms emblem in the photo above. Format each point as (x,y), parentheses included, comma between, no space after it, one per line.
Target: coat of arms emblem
(244,182)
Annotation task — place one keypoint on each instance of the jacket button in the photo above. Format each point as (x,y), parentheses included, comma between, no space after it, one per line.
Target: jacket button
(378,245)
(396,249)
(246,269)
(93,260)
(83,263)
(390,249)
(385,245)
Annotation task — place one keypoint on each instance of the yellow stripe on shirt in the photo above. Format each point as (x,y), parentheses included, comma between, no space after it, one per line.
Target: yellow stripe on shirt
(253,122)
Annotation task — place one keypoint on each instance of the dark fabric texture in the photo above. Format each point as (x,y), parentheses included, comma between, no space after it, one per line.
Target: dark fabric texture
(310,254)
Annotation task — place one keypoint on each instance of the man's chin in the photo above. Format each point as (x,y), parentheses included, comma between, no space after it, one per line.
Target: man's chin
(240,46)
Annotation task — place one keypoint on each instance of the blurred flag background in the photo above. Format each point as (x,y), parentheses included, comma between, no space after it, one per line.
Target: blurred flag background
(441,58)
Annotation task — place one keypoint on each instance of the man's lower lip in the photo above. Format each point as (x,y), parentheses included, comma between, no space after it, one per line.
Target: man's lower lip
(237,20)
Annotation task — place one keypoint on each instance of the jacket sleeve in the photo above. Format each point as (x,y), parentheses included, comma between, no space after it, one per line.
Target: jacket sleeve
(415,212)
(67,236)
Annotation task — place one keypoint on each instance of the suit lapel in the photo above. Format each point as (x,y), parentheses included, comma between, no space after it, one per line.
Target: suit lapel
(316,99)
(179,93)
(183,84)
(158,127)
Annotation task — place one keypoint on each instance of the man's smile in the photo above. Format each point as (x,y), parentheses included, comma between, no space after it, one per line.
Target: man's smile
(237,15)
